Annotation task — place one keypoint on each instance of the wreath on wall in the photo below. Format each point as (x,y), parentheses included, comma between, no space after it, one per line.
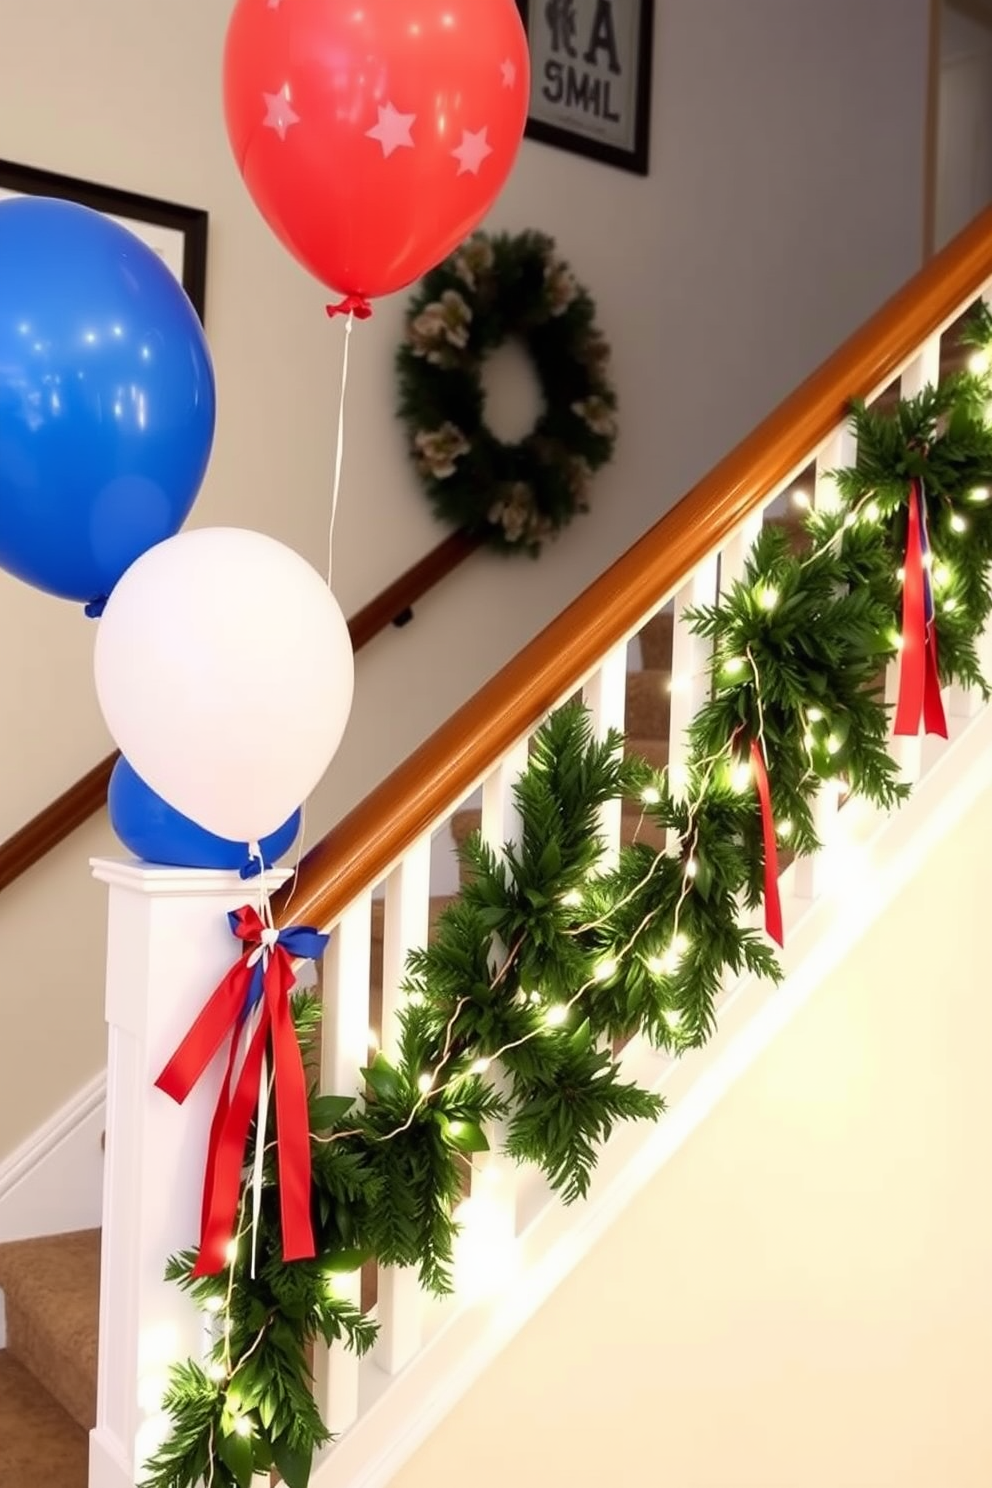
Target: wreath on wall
(513,496)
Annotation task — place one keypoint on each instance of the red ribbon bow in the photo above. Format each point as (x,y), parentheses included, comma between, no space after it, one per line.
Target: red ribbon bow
(773,897)
(226,1012)
(919,675)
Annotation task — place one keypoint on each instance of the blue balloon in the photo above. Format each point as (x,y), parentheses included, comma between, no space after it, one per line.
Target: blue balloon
(157,833)
(107,398)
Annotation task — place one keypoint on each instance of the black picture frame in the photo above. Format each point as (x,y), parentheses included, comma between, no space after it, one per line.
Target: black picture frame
(561,28)
(136,212)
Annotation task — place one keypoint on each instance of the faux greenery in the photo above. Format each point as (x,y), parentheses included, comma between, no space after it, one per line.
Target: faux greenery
(492,290)
(549,958)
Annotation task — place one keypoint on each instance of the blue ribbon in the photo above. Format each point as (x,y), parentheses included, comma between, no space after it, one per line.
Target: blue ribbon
(298,941)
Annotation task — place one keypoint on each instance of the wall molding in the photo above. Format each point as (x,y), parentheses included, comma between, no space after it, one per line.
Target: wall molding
(53,1182)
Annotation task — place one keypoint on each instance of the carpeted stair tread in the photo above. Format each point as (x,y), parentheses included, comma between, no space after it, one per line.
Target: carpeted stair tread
(52,1291)
(40,1443)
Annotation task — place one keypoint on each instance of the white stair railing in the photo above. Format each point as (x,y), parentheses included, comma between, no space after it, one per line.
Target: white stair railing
(169,944)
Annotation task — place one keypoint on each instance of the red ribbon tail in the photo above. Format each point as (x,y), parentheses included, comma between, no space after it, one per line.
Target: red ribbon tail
(292,1113)
(356,305)
(225,1161)
(919,698)
(205,1037)
(934,718)
(773,898)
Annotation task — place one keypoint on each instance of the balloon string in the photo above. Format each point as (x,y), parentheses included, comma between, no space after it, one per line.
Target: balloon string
(339,454)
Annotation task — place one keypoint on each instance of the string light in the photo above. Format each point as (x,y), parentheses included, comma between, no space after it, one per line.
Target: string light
(217,1373)
(768,597)
(416,999)
(740,777)
(978,494)
(572,899)
(784,829)
(895,640)
(425,1083)
(941,574)
(958,523)
(674,1019)
(214,1305)
(734,665)
(801,498)
(833,744)
(480,1066)
(901,575)
(691,868)
(871,512)
(679,682)
(950,604)
(850,519)
(231,1254)
(556,1015)
(606,969)
(815,715)
(243,1427)
(979,362)
(651,796)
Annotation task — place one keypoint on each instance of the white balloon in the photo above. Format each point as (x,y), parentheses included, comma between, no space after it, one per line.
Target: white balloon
(225,673)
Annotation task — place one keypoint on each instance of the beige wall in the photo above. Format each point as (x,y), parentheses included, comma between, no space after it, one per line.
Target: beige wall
(784,204)
(803,1298)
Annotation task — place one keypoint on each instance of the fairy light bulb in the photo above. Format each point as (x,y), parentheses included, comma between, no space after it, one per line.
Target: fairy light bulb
(979,362)
(895,640)
(655,965)
(784,829)
(425,1083)
(850,519)
(651,796)
(691,868)
(871,512)
(978,494)
(833,744)
(243,1427)
(572,899)
(941,574)
(556,1015)
(958,523)
(815,715)
(480,1066)
(901,575)
(214,1305)
(950,605)
(674,1019)
(231,1253)
(802,499)
(740,777)
(733,666)
(767,597)
(415,999)
(217,1373)
(607,968)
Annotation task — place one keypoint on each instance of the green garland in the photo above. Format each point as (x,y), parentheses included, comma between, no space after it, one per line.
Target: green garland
(513,496)
(586,956)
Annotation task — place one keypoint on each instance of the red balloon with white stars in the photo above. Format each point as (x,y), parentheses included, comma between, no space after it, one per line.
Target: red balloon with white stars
(374,135)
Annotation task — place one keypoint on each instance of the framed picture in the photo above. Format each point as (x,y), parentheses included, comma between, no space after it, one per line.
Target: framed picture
(591,77)
(177,234)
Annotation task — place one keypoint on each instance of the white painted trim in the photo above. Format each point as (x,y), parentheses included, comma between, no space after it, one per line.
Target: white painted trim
(874,858)
(53,1183)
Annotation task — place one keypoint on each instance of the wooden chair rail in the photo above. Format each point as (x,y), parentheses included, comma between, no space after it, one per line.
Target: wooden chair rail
(362,847)
(81,801)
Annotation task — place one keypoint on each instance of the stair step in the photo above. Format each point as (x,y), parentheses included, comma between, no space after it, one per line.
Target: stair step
(40,1442)
(52,1291)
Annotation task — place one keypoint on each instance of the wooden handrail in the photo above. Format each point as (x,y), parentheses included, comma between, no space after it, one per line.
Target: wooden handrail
(75,806)
(363,846)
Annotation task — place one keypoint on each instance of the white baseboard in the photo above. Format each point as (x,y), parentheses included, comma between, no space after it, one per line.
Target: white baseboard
(53,1183)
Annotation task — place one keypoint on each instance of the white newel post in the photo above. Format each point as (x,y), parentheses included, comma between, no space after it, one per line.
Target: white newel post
(169,944)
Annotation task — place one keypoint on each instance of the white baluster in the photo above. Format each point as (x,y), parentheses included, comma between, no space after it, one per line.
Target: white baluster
(169,945)
(908,752)
(344,1052)
(735,552)
(840,452)
(605,696)
(494,1177)
(691,655)
(407,916)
